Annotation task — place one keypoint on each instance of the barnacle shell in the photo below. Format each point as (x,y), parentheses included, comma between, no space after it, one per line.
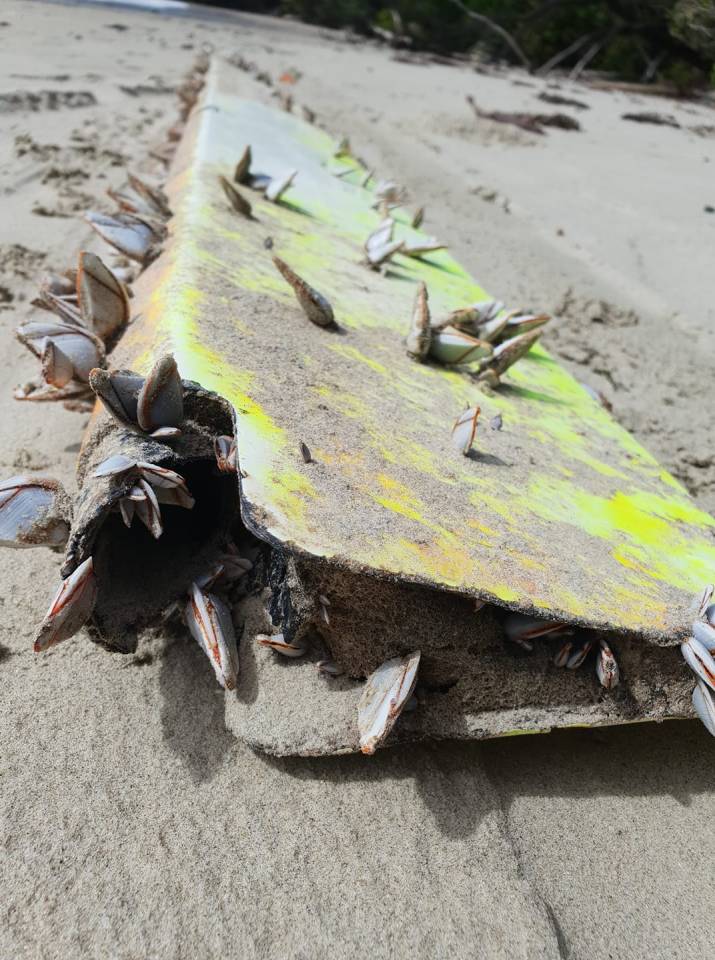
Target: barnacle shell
(70,608)
(704,706)
(209,621)
(237,200)
(128,233)
(465,429)
(161,399)
(386,692)
(103,301)
(419,336)
(33,512)
(315,306)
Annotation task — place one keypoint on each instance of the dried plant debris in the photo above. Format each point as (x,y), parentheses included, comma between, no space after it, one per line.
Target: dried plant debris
(560,101)
(650,116)
(24,101)
(531,122)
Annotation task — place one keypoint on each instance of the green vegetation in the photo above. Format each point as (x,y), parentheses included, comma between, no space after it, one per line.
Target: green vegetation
(642,40)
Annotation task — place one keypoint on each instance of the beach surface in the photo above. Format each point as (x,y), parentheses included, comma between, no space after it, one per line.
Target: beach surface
(133,824)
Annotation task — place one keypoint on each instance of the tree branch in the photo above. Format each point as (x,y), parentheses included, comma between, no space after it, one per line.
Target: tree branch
(559,57)
(594,50)
(495,28)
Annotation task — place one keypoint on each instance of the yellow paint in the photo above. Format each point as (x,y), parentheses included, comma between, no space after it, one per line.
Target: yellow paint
(503,539)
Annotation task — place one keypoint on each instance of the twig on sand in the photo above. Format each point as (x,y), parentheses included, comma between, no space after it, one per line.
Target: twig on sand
(646,116)
(531,122)
(560,101)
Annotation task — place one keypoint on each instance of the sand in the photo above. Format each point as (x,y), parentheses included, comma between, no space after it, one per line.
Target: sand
(133,824)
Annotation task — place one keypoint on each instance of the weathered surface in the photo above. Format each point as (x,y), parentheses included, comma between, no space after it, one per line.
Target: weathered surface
(560,512)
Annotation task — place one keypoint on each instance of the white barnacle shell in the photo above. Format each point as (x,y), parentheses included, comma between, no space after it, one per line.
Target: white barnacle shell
(451,346)
(178,496)
(700,661)
(704,632)
(704,706)
(384,697)
(119,393)
(74,354)
(278,643)
(518,323)
(209,621)
(113,466)
(491,329)
(563,654)
(377,254)
(146,507)
(57,368)
(103,301)
(153,197)
(579,655)
(381,235)
(126,232)
(488,309)
(418,248)
(31,514)
(161,399)
(703,601)
(278,186)
(606,666)
(387,191)
(520,626)
(225,453)
(39,392)
(464,429)
(70,608)
(66,308)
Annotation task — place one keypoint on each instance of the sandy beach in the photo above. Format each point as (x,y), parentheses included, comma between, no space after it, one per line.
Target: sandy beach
(133,824)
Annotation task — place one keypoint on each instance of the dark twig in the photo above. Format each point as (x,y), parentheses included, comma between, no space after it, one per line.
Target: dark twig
(592,52)
(563,54)
(495,28)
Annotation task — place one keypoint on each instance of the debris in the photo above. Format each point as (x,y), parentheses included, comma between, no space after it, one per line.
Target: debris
(647,116)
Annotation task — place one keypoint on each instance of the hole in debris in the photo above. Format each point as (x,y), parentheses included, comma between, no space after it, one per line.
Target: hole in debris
(138,576)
